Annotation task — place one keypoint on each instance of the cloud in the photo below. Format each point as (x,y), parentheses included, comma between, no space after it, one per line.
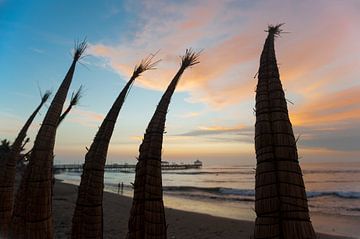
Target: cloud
(342,106)
(137,138)
(85,118)
(317,61)
(190,115)
(37,50)
(216,130)
(337,139)
(231,34)
(172,28)
(221,134)
(330,120)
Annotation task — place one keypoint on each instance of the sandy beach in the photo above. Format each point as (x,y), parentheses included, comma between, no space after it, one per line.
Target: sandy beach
(181,224)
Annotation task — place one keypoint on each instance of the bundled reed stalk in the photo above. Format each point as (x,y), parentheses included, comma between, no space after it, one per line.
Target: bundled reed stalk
(8,171)
(32,216)
(88,216)
(280,198)
(75,98)
(147,216)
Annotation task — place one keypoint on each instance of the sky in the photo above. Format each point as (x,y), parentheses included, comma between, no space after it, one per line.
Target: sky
(211,116)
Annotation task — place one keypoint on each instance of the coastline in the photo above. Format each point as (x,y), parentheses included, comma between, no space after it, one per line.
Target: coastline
(181,224)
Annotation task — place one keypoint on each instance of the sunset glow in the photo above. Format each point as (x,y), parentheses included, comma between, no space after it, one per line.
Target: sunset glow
(211,114)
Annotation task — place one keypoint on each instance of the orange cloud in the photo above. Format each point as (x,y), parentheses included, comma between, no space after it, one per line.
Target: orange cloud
(190,115)
(232,46)
(317,60)
(85,118)
(330,108)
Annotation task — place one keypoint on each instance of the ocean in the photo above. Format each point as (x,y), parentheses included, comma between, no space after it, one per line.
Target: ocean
(228,191)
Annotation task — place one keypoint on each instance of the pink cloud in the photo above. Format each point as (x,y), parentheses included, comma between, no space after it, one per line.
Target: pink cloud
(330,109)
(85,118)
(230,32)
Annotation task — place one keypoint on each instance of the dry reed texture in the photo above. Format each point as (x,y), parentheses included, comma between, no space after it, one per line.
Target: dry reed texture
(75,97)
(88,216)
(147,216)
(32,216)
(280,199)
(8,172)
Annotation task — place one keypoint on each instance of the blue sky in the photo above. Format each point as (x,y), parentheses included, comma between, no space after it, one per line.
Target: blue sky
(210,116)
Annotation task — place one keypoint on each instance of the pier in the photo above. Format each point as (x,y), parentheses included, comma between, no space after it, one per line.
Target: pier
(58,168)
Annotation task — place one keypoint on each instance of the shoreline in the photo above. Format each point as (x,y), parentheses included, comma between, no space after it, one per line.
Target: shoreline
(181,224)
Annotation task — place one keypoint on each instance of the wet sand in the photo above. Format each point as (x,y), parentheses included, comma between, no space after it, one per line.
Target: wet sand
(181,224)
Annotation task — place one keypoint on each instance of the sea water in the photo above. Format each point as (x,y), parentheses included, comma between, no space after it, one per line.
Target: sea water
(228,191)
